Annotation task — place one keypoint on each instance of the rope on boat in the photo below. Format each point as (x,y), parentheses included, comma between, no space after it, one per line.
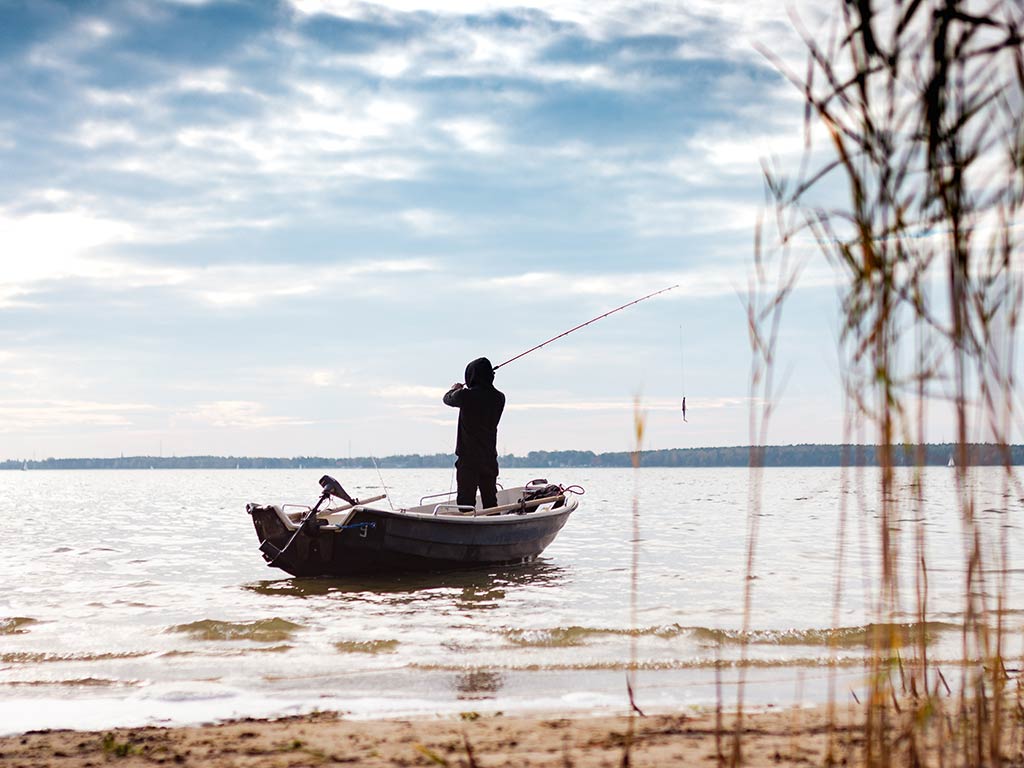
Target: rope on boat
(367,524)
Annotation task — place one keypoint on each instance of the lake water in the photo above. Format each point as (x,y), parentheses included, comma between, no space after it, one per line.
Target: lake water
(133,597)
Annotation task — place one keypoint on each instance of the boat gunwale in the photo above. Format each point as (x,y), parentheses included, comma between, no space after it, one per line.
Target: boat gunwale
(479,517)
(512,516)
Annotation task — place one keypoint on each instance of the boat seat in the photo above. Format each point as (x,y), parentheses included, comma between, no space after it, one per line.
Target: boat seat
(455,509)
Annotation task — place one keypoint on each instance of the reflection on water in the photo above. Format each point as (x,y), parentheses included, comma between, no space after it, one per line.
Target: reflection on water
(478,684)
(475,586)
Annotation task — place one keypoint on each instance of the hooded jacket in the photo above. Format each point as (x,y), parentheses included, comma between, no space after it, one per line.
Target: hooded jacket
(480,406)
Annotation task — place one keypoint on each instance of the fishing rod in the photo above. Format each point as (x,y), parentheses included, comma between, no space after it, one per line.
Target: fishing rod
(582,325)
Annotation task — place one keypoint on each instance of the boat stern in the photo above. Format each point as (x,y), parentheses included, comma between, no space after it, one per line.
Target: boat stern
(269,529)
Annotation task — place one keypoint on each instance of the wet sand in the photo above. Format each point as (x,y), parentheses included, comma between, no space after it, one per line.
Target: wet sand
(771,738)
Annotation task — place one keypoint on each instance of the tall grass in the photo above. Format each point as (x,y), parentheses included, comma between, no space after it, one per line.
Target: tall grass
(639,426)
(911,186)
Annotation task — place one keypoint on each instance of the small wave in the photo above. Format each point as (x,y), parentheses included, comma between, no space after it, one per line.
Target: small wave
(567,637)
(27,657)
(813,662)
(16,625)
(557,637)
(866,636)
(80,682)
(270,649)
(259,631)
(226,653)
(367,646)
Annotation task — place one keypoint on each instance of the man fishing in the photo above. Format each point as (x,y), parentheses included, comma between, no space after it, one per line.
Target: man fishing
(480,406)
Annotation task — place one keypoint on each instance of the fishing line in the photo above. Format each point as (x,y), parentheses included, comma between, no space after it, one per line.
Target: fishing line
(383,487)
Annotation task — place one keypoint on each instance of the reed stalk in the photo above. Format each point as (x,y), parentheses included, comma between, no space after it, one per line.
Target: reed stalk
(639,424)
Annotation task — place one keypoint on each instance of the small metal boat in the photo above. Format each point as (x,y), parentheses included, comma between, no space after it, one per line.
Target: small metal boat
(438,534)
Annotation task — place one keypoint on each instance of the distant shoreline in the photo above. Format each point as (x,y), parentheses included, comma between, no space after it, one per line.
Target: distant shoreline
(804,455)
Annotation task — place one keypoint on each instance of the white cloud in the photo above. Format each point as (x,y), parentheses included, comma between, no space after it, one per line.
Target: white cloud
(428,222)
(542,286)
(458,50)
(236,414)
(436,421)
(46,245)
(388,63)
(93,133)
(104,97)
(216,80)
(726,279)
(475,134)
(322,378)
(595,16)
(410,392)
(54,246)
(29,415)
(295,141)
(738,23)
(46,248)
(238,285)
(62,51)
(53,195)
(659,217)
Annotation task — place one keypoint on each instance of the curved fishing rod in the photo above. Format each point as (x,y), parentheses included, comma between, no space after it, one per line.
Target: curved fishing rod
(581,325)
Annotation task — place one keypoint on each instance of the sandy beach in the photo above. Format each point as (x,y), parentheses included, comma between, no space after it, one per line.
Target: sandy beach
(771,738)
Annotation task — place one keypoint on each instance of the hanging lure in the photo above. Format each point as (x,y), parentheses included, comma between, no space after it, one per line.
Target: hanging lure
(682,371)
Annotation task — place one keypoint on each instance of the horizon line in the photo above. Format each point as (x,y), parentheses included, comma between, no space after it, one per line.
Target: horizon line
(379,457)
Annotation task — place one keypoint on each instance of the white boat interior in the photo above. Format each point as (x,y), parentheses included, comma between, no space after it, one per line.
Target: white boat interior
(440,505)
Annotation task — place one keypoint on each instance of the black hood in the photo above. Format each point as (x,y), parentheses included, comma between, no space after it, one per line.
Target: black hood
(479,373)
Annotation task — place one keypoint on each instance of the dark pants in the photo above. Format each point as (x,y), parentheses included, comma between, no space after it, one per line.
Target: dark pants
(469,477)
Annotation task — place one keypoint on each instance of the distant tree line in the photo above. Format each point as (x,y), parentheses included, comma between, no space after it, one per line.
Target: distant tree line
(807,455)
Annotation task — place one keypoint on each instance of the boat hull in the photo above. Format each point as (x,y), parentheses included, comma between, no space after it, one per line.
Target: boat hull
(377,541)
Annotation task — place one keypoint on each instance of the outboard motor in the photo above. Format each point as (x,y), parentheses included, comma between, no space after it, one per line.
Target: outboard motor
(333,488)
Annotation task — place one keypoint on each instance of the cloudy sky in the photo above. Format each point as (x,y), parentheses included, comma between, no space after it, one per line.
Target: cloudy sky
(283,228)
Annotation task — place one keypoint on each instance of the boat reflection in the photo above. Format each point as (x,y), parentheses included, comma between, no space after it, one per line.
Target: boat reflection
(474,588)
